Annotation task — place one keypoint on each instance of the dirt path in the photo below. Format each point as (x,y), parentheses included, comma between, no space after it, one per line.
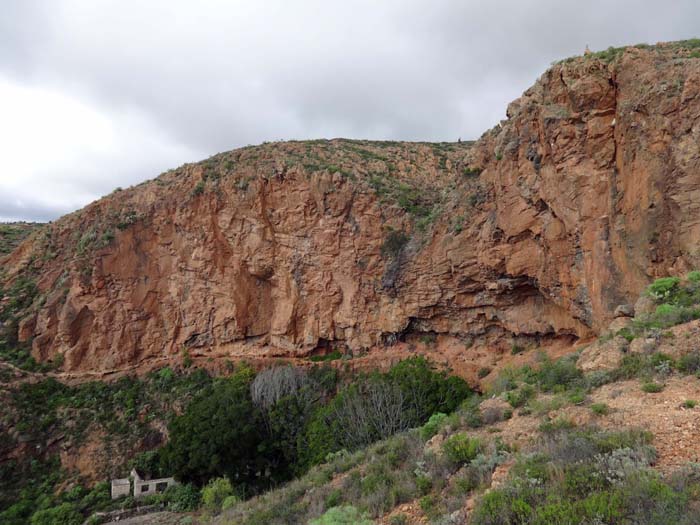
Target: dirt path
(157,518)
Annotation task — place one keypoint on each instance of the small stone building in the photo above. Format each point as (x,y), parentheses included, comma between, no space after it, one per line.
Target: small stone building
(145,487)
(120,487)
(142,487)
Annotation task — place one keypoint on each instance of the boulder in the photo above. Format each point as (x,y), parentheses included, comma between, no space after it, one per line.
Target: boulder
(602,355)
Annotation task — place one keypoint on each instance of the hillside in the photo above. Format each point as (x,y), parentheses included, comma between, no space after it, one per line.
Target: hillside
(551,265)
(532,235)
(13,233)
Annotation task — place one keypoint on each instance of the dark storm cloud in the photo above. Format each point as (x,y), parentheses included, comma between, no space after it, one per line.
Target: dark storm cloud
(179,80)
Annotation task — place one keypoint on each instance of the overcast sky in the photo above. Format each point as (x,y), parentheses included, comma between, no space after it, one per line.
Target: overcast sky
(96,94)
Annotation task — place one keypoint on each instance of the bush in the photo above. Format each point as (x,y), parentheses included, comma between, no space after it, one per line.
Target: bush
(461,449)
(394,243)
(694,276)
(652,387)
(690,403)
(577,397)
(215,492)
(398,519)
(148,464)
(483,372)
(600,409)
(230,502)
(427,391)
(334,498)
(587,476)
(556,425)
(689,363)
(182,498)
(663,288)
(432,426)
(346,515)
(558,375)
(198,188)
(517,398)
(668,315)
(63,514)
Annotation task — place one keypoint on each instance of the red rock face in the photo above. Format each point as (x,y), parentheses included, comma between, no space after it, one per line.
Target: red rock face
(586,192)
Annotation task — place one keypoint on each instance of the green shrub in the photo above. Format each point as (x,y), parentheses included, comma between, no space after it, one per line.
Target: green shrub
(690,403)
(428,504)
(394,243)
(556,425)
(460,448)
(215,492)
(183,498)
(600,409)
(659,359)
(432,426)
(483,372)
(558,375)
(423,483)
(689,363)
(331,356)
(586,476)
(652,387)
(63,514)
(668,315)
(230,502)
(198,188)
(694,276)
(148,463)
(346,515)
(577,397)
(663,288)
(334,498)
(517,398)
(471,412)
(398,519)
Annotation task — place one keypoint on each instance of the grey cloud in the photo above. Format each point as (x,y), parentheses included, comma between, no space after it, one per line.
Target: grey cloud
(215,75)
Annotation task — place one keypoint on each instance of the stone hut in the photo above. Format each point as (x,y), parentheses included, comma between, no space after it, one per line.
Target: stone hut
(142,487)
(120,487)
(145,487)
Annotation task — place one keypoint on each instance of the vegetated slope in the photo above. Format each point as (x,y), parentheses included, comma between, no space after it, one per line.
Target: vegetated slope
(534,233)
(13,233)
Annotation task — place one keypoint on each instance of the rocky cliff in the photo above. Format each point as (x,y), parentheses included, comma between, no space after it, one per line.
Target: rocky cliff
(532,235)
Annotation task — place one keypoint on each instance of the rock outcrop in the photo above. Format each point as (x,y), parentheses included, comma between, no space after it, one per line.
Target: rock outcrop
(536,232)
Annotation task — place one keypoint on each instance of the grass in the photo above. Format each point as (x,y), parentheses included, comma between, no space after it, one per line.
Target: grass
(690,403)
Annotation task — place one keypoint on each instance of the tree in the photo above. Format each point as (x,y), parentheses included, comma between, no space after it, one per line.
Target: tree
(378,406)
(426,390)
(218,435)
(272,384)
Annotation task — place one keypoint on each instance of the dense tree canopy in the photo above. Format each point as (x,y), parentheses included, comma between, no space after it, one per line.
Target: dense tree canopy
(218,435)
